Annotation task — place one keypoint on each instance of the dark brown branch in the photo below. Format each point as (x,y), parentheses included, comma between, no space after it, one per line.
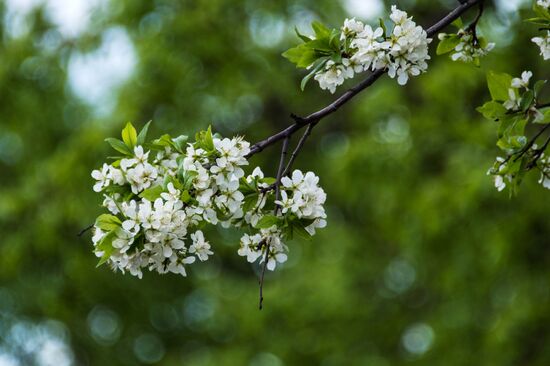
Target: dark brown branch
(84,230)
(282,160)
(473,25)
(538,154)
(315,117)
(539,106)
(529,145)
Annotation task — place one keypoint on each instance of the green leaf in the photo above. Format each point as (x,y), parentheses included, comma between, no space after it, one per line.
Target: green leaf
(107,222)
(383,26)
(129,136)
(267,221)
(267,180)
(541,12)
(499,83)
(447,44)
(165,141)
(106,246)
(301,55)
(152,193)
(180,142)
(301,36)
(321,31)
(185,196)
(538,86)
(526,100)
(119,146)
(299,229)
(143,134)
(482,42)
(250,201)
(546,118)
(208,139)
(318,65)
(458,23)
(538,21)
(320,45)
(492,110)
(334,41)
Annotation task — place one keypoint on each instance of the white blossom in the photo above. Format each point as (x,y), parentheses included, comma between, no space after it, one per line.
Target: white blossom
(200,247)
(334,75)
(102,177)
(469,48)
(544,45)
(522,82)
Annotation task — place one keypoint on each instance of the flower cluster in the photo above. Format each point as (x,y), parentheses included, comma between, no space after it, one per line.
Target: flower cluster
(510,171)
(334,56)
(301,199)
(465,45)
(500,173)
(542,9)
(161,194)
(513,102)
(516,104)
(518,91)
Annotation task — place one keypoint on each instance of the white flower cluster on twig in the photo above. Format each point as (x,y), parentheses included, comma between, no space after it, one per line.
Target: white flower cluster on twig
(404,51)
(159,202)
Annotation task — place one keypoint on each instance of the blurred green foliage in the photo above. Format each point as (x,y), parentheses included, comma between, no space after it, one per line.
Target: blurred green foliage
(423,261)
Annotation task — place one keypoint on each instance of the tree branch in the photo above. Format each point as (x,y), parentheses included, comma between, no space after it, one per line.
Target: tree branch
(84,230)
(315,117)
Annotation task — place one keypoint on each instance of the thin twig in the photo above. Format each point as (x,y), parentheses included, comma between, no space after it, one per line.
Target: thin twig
(531,143)
(350,93)
(84,230)
(473,25)
(280,171)
(292,158)
(298,149)
(282,159)
(538,154)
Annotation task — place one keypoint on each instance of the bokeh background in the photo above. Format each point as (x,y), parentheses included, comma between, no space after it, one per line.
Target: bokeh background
(423,261)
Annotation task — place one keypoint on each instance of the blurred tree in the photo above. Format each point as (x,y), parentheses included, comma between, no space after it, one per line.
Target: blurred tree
(423,262)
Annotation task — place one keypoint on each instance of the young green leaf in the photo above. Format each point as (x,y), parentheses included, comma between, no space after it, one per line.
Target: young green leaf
(119,146)
(152,193)
(447,44)
(499,83)
(143,134)
(321,31)
(318,65)
(492,110)
(538,86)
(180,142)
(458,23)
(526,100)
(129,136)
(301,55)
(107,222)
(267,221)
(301,36)
(383,26)
(106,246)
